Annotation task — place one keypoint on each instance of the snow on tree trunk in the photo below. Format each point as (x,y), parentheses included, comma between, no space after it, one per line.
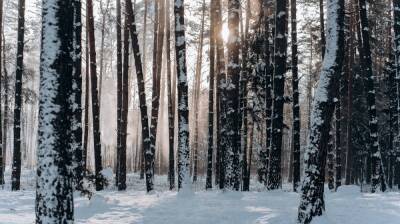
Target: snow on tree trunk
(95,99)
(366,62)
(16,164)
(274,175)
(396,24)
(148,154)
(183,107)
(1,99)
(119,87)
(171,100)
(54,193)
(312,198)
(76,99)
(87,93)
(220,73)
(296,104)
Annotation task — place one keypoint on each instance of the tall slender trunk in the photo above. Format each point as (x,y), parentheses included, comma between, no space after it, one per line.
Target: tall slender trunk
(312,200)
(366,60)
(280,56)
(196,91)
(149,155)
(171,99)
(16,165)
(86,115)
(322,27)
(142,161)
(268,89)
(231,92)
(159,24)
(220,73)
(54,201)
(76,99)
(95,98)
(119,88)
(104,12)
(6,105)
(212,54)
(296,103)
(396,28)
(183,105)
(2,165)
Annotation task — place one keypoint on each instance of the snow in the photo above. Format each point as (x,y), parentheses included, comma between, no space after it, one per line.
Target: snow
(347,206)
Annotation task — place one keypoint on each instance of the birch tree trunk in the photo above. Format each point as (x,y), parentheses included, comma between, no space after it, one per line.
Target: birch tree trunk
(312,201)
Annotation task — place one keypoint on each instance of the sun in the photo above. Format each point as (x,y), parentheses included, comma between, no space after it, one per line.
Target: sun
(225,32)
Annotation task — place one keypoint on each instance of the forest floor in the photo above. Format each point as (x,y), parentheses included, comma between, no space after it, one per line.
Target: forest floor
(347,206)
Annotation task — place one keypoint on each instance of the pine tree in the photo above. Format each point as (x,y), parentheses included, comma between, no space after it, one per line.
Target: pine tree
(183,107)
(312,201)
(220,73)
(76,100)
(296,104)
(171,86)
(119,90)
(280,57)
(16,165)
(87,92)
(1,117)
(54,194)
(231,91)
(95,98)
(212,54)
(366,61)
(396,28)
(148,154)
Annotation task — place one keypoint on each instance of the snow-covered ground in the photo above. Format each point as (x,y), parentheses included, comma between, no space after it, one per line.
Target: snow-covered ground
(347,206)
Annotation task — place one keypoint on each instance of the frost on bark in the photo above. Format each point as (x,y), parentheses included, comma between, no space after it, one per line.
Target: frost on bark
(396,24)
(183,107)
(95,99)
(296,103)
(54,187)
(76,99)
(280,57)
(16,164)
(1,99)
(312,198)
(148,154)
(124,94)
(171,99)
(373,140)
(231,91)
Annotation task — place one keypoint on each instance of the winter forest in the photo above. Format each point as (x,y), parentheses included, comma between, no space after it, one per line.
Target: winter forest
(200,111)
